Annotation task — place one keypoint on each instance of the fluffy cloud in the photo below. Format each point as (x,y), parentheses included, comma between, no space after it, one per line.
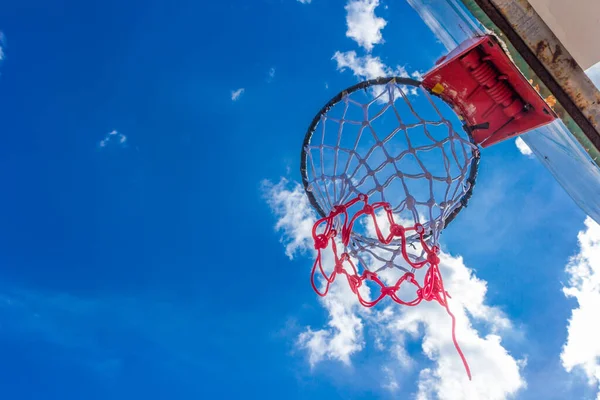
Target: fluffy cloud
(369,67)
(365,29)
(113,138)
(2,39)
(582,349)
(304,1)
(236,94)
(496,374)
(342,337)
(523,148)
(365,67)
(389,382)
(294,215)
(363,26)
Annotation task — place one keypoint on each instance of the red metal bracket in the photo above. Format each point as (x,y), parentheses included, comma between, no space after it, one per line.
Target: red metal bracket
(488,91)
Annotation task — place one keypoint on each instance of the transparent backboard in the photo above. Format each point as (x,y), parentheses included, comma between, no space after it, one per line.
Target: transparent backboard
(555,145)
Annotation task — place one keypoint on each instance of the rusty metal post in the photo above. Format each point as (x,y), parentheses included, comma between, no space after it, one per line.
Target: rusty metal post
(545,56)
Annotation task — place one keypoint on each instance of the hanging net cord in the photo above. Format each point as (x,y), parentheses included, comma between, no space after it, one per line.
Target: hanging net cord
(324,236)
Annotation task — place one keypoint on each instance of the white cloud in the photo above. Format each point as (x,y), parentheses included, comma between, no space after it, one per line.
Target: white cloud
(497,374)
(365,67)
(236,94)
(304,1)
(369,67)
(2,40)
(271,74)
(594,74)
(389,380)
(113,138)
(295,217)
(582,349)
(523,148)
(363,26)
(342,337)
(418,75)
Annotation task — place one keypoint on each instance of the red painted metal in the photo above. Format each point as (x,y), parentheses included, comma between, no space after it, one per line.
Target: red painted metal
(488,91)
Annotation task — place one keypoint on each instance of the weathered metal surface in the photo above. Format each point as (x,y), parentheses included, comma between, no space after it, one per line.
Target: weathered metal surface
(542,58)
(575,23)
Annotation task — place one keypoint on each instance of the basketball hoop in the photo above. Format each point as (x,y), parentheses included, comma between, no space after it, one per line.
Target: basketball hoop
(386,179)
(374,203)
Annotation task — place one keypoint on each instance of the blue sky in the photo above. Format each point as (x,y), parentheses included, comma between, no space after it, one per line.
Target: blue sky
(138,252)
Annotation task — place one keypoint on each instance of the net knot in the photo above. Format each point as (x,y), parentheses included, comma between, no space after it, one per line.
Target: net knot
(388,290)
(355,282)
(321,242)
(433,259)
(368,209)
(420,229)
(369,275)
(410,277)
(397,230)
(337,210)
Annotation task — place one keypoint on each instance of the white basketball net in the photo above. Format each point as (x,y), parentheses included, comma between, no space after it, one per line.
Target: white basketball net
(384,178)
(374,143)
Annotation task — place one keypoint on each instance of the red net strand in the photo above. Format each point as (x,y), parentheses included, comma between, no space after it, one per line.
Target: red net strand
(433,284)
